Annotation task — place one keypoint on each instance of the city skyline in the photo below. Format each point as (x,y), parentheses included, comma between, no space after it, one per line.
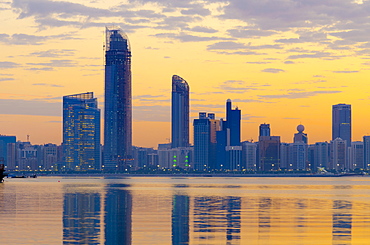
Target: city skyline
(246,51)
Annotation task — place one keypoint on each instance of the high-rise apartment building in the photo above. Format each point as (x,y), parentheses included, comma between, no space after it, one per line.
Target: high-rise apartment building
(5,143)
(321,155)
(269,153)
(341,122)
(180,112)
(366,140)
(202,142)
(118,105)
(81,132)
(338,154)
(356,155)
(264,129)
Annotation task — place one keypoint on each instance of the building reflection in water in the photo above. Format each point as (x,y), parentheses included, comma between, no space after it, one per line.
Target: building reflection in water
(117,218)
(81,218)
(264,217)
(215,217)
(180,219)
(342,222)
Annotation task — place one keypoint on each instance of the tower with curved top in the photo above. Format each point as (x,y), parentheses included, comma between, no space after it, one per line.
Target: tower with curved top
(180,112)
(118,105)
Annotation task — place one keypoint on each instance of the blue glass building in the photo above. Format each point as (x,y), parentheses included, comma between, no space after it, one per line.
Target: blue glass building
(229,135)
(81,132)
(341,124)
(180,112)
(202,141)
(118,104)
(233,117)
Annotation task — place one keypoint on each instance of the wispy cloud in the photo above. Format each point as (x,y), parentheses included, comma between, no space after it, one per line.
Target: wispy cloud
(8,64)
(273,70)
(48,85)
(345,71)
(298,95)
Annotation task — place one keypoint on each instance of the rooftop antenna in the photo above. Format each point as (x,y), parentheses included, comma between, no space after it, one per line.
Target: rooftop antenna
(28,138)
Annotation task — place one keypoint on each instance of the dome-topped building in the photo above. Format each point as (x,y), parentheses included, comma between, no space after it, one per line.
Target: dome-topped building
(300,128)
(300,136)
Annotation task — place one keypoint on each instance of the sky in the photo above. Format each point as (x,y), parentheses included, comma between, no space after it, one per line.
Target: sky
(282,62)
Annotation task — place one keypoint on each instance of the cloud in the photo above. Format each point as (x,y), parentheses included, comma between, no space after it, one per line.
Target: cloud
(272,70)
(30,107)
(241,53)
(40,69)
(54,53)
(226,46)
(48,13)
(55,63)
(48,85)
(317,54)
(183,37)
(242,32)
(345,71)
(258,62)
(152,98)
(236,48)
(238,86)
(289,62)
(235,86)
(298,95)
(203,29)
(199,10)
(8,64)
(26,39)
(248,101)
(2,79)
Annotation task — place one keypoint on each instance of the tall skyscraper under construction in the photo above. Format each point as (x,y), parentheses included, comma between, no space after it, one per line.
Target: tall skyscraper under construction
(81,132)
(180,112)
(118,105)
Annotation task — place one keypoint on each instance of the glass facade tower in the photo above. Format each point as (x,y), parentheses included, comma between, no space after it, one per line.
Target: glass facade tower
(180,112)
(81,132)
(341,125)
(118,105)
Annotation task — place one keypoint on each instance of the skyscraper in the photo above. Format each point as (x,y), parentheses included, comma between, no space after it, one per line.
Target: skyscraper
(228,139)
(264,129)
(5,146)
(118,105)
(233,117)
(81,132)
(366,140)
(202,141)
(269,153)
(341,124)
(180,112)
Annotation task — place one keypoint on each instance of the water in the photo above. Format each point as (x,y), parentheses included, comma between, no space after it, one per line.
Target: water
(159,210)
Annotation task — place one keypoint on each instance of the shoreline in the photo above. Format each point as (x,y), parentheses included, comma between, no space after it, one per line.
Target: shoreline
(123,175)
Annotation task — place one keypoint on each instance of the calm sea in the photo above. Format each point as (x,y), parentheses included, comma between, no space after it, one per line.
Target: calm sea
(161,210)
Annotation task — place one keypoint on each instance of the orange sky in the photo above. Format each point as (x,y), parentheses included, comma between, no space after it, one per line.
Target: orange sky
(282,62)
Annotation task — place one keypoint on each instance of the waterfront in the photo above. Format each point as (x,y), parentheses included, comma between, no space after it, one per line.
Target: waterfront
(170,210)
